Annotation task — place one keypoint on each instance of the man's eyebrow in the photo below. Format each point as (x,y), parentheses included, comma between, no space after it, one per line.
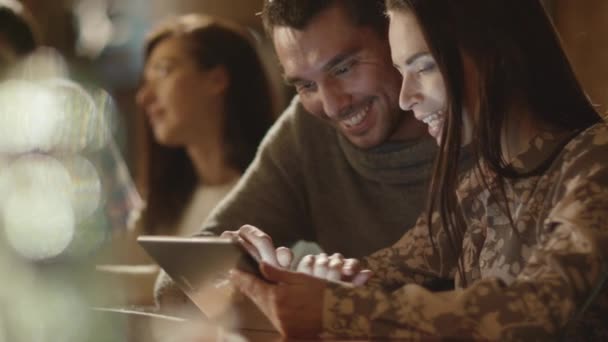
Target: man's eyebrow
(339,59)
(291,81)
(336,60)
(415,56)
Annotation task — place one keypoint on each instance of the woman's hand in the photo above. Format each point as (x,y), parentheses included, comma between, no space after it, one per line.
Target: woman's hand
(292,301)
(334,268)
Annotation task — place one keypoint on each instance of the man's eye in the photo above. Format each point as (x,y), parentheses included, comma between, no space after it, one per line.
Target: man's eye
(305,86)
(340,70)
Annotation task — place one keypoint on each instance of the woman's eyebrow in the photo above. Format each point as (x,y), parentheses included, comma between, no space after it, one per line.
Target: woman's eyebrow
(416,56)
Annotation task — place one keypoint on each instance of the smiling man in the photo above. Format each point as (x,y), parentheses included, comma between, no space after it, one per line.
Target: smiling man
(341,72)
(343,166)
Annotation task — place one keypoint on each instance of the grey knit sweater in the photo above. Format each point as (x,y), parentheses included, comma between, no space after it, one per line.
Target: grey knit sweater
(309,183)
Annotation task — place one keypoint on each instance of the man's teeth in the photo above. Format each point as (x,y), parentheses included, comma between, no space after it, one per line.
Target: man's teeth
(357,118)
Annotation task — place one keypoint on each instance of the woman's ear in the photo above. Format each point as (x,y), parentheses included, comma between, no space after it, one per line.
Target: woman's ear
(218,79)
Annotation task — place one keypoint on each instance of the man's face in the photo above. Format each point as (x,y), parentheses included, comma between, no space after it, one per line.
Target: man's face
(343,74)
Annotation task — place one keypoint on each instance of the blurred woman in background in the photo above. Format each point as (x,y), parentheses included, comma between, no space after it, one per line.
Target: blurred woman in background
(208,103)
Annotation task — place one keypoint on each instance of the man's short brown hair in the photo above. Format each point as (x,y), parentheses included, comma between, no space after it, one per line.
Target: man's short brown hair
(297,14)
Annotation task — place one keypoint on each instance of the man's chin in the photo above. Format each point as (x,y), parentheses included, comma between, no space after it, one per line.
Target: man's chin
(363,142)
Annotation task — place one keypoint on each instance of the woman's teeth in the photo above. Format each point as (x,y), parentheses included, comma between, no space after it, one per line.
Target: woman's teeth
(434,119)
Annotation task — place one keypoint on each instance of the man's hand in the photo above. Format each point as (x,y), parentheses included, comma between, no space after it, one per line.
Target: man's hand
(293,302)
(334,268)
(260,246)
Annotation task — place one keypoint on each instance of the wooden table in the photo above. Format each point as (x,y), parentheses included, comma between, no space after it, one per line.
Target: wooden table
(145,326)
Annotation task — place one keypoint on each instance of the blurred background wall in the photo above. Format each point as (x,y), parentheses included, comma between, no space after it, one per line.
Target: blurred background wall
(583,26)
(103,39)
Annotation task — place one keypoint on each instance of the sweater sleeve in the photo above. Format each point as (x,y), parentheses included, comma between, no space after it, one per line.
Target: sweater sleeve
(565,269)
(271,194)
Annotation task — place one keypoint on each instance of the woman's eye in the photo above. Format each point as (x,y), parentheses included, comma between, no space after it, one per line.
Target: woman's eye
(426,67)
(161,70)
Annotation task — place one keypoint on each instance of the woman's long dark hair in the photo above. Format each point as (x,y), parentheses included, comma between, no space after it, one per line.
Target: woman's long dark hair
(169,177)
(519,59)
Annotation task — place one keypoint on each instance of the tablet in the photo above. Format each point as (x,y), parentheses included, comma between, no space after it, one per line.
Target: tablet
(199,266)
(194,261)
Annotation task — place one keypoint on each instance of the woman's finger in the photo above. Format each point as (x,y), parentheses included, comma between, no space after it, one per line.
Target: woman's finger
(321,266)
(306,264)
(335,266)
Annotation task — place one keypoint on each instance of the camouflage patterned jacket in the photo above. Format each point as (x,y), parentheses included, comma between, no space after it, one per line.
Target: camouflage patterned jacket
(524,286)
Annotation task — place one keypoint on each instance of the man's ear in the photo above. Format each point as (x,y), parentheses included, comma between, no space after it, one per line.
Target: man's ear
(218,79)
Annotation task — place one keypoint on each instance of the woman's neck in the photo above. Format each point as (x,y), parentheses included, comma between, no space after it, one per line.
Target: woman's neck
(519,129)
(209,160)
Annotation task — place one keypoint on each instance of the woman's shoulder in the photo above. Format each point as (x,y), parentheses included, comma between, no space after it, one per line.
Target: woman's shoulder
(591,141)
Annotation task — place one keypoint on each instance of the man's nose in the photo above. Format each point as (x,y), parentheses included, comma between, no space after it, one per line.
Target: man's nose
(335,99)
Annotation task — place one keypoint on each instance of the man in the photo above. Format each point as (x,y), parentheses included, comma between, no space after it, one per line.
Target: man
(343,166)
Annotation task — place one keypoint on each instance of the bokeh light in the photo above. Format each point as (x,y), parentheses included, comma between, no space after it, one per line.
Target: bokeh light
(85,185)
(61,181)
(48,309)
(29,118)
(82,126)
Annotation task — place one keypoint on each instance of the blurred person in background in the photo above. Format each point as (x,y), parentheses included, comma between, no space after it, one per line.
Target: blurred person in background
(208,103)
(18,35)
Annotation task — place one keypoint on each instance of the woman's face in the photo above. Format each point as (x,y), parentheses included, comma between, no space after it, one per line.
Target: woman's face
(176,94)
(422,88)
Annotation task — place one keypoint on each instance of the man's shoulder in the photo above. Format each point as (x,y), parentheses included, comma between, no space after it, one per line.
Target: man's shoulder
(298,127)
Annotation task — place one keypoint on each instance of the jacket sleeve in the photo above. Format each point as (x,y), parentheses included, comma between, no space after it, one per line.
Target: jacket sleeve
(412,260)
(564,269)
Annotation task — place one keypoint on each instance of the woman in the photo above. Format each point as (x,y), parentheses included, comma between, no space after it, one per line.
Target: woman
(523,233)
(208,103)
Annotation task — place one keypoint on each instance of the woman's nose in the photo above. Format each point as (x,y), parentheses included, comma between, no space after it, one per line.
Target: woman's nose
(144,95)
(409,95)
